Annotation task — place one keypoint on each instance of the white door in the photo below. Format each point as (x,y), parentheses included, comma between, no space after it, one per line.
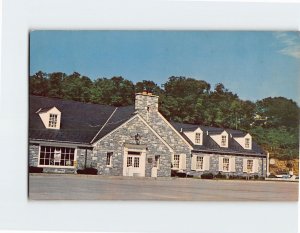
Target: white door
(134,163)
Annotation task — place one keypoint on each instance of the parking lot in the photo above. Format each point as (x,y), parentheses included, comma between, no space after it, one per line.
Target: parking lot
(88,187)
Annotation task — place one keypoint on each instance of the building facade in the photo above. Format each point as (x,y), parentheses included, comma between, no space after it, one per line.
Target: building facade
(65,136)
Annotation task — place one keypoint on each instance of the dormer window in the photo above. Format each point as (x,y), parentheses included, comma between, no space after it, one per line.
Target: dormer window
(195,135)
(224,140)
(244,140)
(52,120)
(247,143)
(51,117)
(198,138)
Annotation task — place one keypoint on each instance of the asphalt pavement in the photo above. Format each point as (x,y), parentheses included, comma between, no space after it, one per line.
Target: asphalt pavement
(89,187)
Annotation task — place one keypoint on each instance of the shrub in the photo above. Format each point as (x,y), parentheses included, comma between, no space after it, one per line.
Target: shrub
(207,176)
(180,174)
(220,176)
(35,169)
(89,171)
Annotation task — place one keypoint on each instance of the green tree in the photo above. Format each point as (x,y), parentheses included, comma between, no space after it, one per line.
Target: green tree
(38,84)
(56,84)
(116,91)
(279,112)
(148,86)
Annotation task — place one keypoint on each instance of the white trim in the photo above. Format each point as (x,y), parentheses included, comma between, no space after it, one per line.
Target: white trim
(59,143)
(169,124)
(110,158)
(132,118)
(104,124)
(53,166)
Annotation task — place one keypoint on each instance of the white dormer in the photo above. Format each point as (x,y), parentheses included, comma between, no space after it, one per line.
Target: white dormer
(221,139)
(245,142)
(195,136)
(50,117)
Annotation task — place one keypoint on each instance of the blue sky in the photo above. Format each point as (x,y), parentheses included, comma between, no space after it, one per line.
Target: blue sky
(254,65)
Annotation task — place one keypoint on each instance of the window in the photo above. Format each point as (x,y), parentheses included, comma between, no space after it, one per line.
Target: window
(136,162)
(247,142)
(176,161)
(223,142)
(157,161)
(198,138)
(109,158)
(199,163)
(225,164)
(52,120)
(249,165)
(56,156)
(129,161)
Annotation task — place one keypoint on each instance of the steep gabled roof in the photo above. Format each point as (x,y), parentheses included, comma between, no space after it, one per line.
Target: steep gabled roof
(80,122)
(210,145)
(121,115)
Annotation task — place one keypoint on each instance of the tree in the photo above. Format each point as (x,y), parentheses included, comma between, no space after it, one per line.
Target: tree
(116,91)
(56,84)
(38,84)
(148,86)
(180,97)
(279,112)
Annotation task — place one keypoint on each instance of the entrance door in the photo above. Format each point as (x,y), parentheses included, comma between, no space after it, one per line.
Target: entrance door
(134,163)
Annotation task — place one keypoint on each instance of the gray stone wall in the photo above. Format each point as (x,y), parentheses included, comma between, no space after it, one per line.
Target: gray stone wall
(147,107)
(33,157)
(214,165)
(125,135)
(85,158)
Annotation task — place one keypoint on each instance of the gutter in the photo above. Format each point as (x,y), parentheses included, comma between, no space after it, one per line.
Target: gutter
(228,152)
(60,142)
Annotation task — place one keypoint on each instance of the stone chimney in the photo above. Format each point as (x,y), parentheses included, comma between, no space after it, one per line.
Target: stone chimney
(145,103)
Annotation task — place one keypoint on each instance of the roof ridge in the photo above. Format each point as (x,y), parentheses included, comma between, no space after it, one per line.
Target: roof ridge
(104,125)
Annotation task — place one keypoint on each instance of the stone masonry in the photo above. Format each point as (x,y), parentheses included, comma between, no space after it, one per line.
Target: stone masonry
(115,142)
(214,165)
(147,106)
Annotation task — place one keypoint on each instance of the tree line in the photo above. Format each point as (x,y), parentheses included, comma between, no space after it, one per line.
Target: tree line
(272,121)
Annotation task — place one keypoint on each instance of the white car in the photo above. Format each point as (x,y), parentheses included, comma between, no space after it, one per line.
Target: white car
(284,175)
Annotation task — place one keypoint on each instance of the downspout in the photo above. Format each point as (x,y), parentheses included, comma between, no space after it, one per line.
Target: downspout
(262,167)
(85,158)
(268,164)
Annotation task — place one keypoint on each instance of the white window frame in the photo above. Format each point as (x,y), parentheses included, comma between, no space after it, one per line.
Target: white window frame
(57,166)
(177,161)
(247,143)
(250,162)
(223,140)
(109,156)
(197,138)
(199,162)
(226,165)
(53,119)
(129,159)
(157,161)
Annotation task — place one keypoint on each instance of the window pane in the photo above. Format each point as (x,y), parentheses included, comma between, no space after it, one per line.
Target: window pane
(136,162)
(56,156)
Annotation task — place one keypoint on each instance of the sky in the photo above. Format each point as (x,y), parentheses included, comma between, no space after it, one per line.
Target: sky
(254,65)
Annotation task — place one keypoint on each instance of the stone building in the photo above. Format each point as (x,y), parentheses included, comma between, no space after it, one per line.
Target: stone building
(65,136)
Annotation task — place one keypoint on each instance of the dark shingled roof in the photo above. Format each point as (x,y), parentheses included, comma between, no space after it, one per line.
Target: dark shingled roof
(80,122)
(210,145)
(86,123)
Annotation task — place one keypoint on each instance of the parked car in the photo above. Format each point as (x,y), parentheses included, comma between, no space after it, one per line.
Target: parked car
(284,175)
